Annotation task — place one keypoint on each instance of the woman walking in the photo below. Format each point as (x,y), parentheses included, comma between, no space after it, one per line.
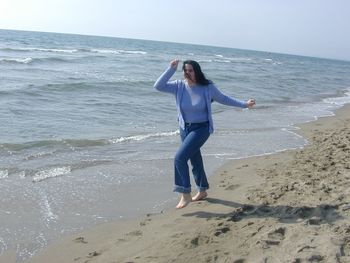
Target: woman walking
(194,95)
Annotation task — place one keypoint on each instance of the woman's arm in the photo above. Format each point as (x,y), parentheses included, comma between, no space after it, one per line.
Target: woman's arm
(163,84)
(220,97)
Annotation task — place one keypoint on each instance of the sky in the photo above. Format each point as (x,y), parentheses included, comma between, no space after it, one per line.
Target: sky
(319,28)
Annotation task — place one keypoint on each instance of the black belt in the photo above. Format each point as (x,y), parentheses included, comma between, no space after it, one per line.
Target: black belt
(188,124)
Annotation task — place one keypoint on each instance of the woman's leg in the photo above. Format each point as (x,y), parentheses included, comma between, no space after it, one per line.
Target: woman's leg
(193,139)
(198,171)
(199,176)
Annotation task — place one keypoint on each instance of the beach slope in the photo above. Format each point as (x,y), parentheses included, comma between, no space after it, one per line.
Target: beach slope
(287,207)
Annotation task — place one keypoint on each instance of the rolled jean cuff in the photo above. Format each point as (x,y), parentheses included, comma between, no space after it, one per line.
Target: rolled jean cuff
(181,189)
(202,189)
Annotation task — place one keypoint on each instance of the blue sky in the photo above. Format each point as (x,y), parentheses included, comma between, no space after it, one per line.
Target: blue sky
(318,28)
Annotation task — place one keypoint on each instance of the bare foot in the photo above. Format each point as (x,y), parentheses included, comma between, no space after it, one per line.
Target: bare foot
(200,196)
(184,201)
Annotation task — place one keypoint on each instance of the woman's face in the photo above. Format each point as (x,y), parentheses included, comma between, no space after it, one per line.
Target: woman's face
(189,73)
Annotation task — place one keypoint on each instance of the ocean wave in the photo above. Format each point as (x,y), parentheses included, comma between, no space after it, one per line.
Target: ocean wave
(339,101)
(51,173)
(112,51)
(76,86)
(52,59)
(204,60)
(30,60)
(71,51)
(120,85)
(31,49)
(222,60)
(104,51)
(143,137)
(242,59)
(37,174)
(53,143)
(274,62)
(6,172)
(16,60)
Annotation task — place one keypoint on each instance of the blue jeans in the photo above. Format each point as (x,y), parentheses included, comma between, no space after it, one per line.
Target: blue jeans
(193,137)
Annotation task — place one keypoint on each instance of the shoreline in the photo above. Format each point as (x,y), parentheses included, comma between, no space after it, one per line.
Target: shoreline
(263,207)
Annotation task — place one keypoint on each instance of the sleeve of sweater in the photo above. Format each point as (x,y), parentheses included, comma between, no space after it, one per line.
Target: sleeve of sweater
(218,96)
(163,83)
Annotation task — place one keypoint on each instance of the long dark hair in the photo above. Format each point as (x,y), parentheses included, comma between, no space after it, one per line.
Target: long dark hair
(200,78)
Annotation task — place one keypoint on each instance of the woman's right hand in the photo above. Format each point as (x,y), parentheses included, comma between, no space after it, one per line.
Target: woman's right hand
(250,103)
(174,63)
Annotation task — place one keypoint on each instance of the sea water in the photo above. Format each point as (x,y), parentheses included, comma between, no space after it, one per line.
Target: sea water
(86,139)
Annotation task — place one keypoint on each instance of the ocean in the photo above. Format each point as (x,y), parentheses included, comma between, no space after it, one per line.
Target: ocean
(85,138)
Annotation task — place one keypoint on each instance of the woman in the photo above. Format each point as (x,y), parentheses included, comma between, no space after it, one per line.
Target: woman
(194,96)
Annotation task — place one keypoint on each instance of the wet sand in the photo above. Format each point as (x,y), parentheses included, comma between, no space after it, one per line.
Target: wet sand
(292,206)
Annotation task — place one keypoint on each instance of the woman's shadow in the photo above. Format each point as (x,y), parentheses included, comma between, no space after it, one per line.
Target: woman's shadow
(320,214)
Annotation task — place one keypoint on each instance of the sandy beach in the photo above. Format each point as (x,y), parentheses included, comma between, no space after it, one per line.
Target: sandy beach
(287,207)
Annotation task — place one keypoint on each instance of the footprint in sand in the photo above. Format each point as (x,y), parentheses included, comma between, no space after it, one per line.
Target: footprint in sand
(232,187)
(222,230)
(144,222)
(136,233)
(222,183)
(223,173)
(315,220)
(129,236)
(275,237)
(277,234)
(198,240)
(306,248)
(93,254)
(80,240)
(243,166)
(345,248)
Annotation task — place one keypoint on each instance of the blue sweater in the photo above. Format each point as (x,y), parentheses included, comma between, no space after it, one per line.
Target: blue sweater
(212,93)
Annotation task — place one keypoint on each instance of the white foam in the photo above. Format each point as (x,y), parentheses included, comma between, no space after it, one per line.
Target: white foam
(240,59)
(111,51)
(105,51)
(223,61)
(339,101)
(48,214)
(3,246)
(205,60)
(50,173)
(133,52)
(17,60)
(4,174)
(22,174)
(47,50)
(143,137)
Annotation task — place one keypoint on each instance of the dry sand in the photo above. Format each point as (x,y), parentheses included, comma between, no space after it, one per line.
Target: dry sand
(287,207)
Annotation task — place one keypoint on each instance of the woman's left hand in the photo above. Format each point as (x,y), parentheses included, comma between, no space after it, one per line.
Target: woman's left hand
(250,103)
